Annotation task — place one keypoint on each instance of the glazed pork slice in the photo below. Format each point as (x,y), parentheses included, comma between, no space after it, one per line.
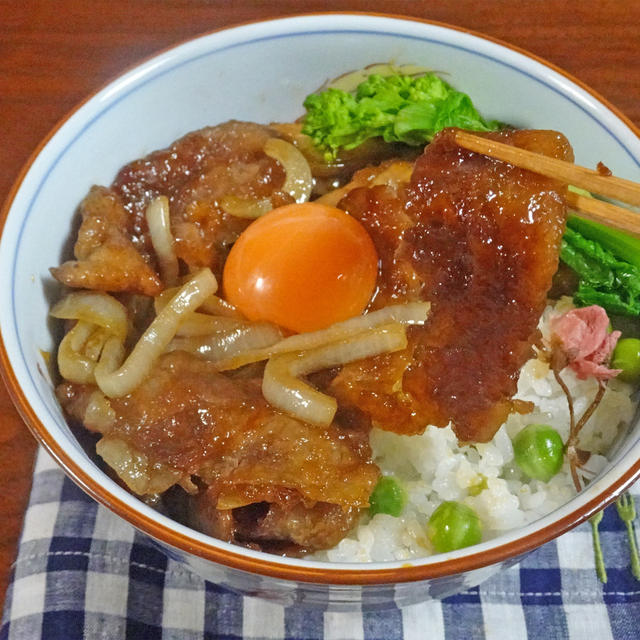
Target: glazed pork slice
(480,239)
(196,173)
(107,252)
(217,437)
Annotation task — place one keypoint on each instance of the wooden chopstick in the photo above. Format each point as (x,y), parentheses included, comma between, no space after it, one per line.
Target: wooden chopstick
(610,186)
(606,213)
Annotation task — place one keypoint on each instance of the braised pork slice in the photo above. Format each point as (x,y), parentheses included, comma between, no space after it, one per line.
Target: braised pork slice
(286,525)
(480,239)
(188,424)
(107,252)
(197,173)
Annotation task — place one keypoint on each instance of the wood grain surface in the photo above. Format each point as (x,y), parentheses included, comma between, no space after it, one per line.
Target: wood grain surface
(54,53)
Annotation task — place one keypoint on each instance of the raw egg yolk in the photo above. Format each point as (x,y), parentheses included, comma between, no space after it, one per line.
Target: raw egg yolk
(302,266)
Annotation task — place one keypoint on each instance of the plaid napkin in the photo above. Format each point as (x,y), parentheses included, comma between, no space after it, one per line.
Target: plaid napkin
(82,573)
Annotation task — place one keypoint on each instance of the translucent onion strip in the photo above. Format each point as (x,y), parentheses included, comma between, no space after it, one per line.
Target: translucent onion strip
(134,468)
(299,181)
(79,334)
(227,345)
(93,307)
(202,324)
(159,222)
(92,347)
(408,313)
(73,364)
(111,358)
(218,307)
(213,305)
(117,382)
(245,207)
(283,389)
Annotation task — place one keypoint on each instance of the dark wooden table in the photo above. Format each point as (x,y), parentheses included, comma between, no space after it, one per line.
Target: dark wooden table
(54,53)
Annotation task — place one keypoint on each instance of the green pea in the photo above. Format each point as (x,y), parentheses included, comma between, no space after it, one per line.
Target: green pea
(538,450)
(388,496)
(626,356)
(453,525)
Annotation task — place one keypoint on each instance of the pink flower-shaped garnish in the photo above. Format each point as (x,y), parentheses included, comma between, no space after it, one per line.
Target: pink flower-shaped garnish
(583,336)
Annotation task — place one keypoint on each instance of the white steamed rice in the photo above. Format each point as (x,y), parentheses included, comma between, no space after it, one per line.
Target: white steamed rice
(434,468)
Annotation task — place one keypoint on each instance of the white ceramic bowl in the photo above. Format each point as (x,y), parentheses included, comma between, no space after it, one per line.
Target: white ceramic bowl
(262,72)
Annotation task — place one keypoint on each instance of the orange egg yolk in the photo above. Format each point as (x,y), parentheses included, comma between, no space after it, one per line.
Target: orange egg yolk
(303,267)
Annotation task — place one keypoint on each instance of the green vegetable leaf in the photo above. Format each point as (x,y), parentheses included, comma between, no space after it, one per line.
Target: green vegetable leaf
(624,246)
(605,280)
(398,108)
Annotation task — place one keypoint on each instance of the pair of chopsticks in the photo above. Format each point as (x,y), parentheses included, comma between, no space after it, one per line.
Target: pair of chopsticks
(610,186)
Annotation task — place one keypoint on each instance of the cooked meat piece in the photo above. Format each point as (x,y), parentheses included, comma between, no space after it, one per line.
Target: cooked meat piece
(202,514)
(196,173)
(480,239)
(281,523)
(188,417)
(321,526)
(113,251)
(107,258)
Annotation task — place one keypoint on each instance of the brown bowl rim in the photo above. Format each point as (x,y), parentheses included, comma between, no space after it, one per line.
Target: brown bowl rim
(267,565)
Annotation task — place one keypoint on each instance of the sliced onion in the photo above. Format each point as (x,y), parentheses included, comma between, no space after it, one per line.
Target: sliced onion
(288,393)
(95,342)
(230,344)
(408,313)
(134,469)
(93,307)
(213,305)
(249,208)
(99,316)
(219,307)
(385,338)
(116,382)
(79,334)
(283,389)
(202,324)
(111,358)
(159,222)
(74,365)
(299,181)
(164,297)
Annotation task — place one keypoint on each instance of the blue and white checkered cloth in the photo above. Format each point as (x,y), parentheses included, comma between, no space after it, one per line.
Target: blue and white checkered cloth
(82,573)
